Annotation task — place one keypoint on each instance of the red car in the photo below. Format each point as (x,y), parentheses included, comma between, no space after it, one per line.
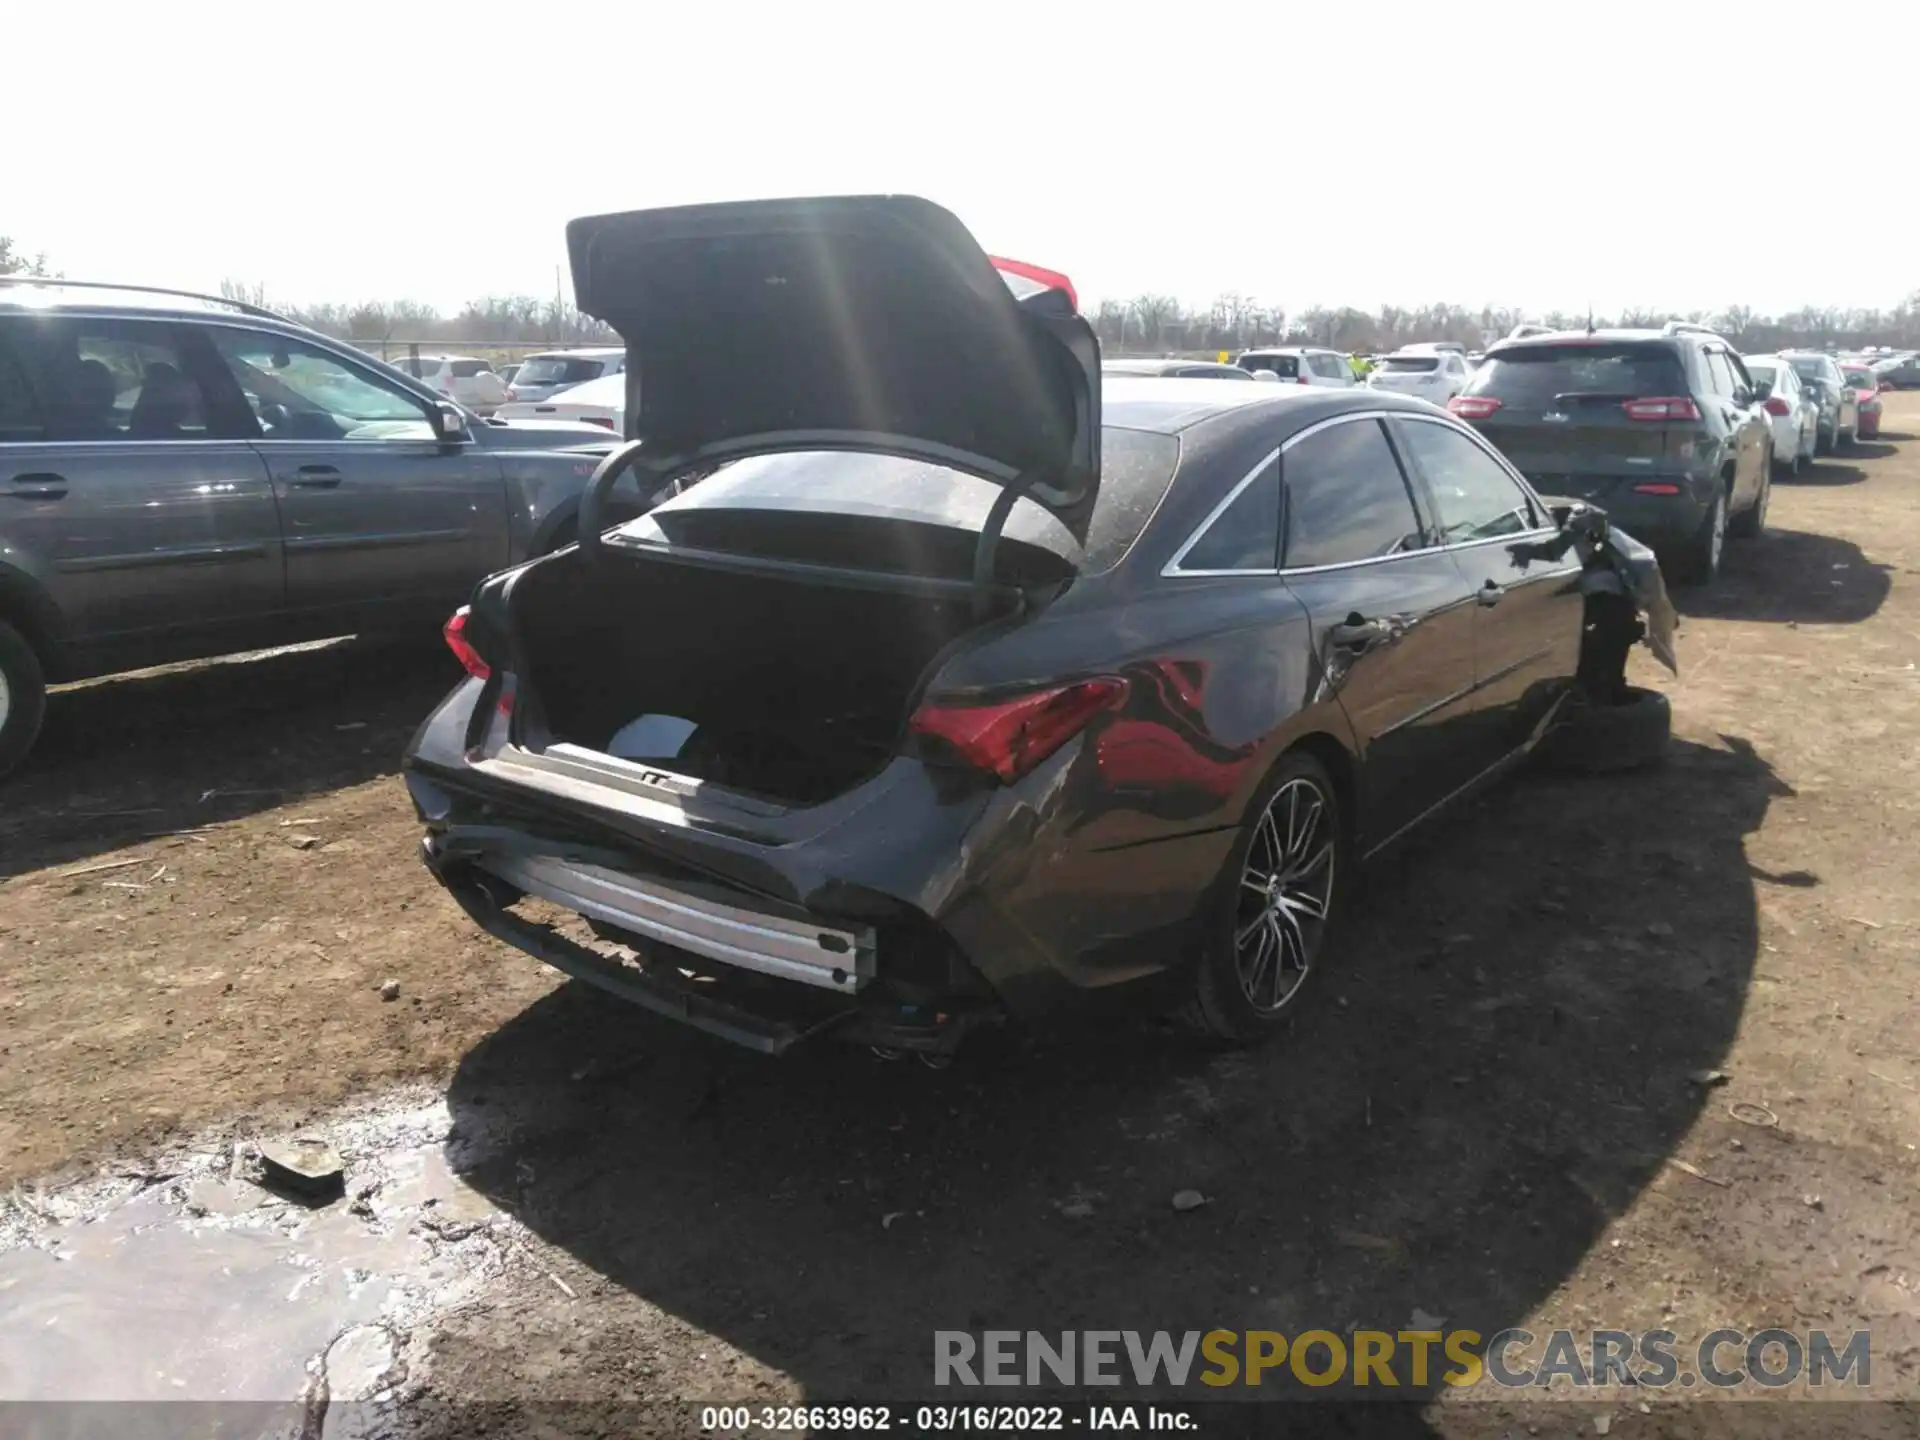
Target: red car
(1866,386)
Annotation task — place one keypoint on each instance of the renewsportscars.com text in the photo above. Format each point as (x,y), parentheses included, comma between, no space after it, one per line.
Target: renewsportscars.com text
(1396,1359)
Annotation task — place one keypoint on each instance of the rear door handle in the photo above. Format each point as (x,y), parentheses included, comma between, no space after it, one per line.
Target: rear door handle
(1357,634)
(1490,593)
(37,485)
(315,477)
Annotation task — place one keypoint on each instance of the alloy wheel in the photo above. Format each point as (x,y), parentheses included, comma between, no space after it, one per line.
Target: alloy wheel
(1286,891)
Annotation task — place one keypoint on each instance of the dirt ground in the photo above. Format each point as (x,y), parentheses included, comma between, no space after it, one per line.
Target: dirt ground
(1502,1112)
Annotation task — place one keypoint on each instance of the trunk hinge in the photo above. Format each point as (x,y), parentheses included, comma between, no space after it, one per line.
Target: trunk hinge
(987,550)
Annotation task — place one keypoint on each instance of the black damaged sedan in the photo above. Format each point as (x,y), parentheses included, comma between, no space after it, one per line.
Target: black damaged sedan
(961,688)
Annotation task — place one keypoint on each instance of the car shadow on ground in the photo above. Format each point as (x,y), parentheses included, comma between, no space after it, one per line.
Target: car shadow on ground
(125,758)
(1826,472)
(1872,448)
(1791,576)
(1497,1070)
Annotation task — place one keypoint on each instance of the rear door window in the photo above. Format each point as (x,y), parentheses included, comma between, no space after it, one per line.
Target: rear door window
(1532,377)
(1345,498)
(21,420)
(1473,496)
(119,380)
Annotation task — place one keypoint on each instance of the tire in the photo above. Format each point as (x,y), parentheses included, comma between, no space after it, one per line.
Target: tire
(1792,466)
(1606,739)
(1822,444)
(23,697)
(1698,561)
(1238,997)
(1751,523)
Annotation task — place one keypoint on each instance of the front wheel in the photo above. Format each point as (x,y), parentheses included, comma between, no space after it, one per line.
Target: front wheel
(1271,929)
(23,697)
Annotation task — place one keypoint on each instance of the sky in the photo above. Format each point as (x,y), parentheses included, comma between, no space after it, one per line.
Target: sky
(1674,156)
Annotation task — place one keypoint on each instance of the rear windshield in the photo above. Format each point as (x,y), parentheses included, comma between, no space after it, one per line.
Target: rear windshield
(1410,364)
(1811,367)
(1136,466)
(1536,374)
(418,365)
(1762,374)
(558,370)
(1860,377)
(467,369)
(1287,367)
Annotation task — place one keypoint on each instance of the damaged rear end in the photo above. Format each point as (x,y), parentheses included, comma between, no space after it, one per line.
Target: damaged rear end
(703,760)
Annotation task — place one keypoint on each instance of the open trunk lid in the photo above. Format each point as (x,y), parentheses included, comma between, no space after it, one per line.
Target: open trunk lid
(852,322)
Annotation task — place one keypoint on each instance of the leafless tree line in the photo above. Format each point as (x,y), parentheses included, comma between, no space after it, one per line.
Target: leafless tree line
(1149,323)
(1158,323)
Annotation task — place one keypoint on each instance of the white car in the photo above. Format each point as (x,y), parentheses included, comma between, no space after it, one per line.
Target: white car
(1431,373)
(597,402)
(1793,414)
(459,377)
(542,376)
(1300,365)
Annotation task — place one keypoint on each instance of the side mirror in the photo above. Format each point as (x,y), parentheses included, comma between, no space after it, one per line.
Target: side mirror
(450,425)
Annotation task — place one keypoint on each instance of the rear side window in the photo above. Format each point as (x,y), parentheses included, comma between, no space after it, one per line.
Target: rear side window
(20,417)
(1346,499)
(1532,376)
(559,370)
(114,379)
(467,369)
(1287,367)
(1246,535)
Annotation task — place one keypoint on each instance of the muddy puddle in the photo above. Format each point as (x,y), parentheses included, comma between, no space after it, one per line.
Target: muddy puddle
(194,1283)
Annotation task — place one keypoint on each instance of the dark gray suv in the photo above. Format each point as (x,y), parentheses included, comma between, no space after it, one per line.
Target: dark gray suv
(182,476)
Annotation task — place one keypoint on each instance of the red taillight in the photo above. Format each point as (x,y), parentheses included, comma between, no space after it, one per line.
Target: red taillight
(1008,738)
(1473,407)
(1041,279)
(455,631)
(1662,407)
(1656,488)
(598,420)
(1775,405)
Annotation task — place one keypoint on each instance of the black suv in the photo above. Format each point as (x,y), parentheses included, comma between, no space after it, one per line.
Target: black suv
(1661,428)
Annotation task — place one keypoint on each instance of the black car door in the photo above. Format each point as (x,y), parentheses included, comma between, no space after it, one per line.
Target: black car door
(1528,611)
(1391,617)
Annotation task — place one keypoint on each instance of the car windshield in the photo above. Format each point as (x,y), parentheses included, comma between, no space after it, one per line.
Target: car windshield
(558,370)
(1410,364)
(1536,374)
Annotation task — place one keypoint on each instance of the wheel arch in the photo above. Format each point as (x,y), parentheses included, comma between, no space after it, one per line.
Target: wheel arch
(26,607)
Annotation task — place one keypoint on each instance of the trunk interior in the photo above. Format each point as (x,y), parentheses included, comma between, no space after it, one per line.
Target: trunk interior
(792,690)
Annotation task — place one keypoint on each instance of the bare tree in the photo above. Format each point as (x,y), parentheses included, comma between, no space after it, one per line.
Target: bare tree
(18,262)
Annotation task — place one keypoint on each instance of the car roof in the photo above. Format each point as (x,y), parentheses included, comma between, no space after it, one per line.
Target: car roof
(1172,404)
(1600,337)
(40,295)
